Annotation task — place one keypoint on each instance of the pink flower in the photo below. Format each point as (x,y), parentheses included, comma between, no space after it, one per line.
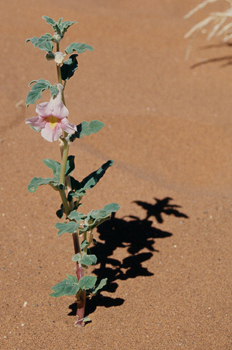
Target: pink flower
(52,118)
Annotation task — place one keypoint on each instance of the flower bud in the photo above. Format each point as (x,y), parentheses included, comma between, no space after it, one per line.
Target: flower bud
(50,56)
(57,38)
(59,57)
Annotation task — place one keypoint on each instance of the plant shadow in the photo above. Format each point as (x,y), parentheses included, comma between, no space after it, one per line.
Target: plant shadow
(135,235)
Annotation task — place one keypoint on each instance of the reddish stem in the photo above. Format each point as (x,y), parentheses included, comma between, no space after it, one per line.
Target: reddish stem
(81,295)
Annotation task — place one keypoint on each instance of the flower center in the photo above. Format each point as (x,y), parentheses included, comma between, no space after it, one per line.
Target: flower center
(52,121)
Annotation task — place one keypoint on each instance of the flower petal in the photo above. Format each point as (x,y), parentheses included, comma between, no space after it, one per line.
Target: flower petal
(57,132)
(44,109)
(59,110)
(37,122)
(50,134)
(68,127)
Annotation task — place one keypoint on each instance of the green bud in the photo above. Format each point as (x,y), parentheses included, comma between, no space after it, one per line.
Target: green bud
(50,56)
(56,38)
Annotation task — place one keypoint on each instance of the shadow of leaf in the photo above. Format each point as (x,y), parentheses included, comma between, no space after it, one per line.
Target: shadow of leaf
(135,235)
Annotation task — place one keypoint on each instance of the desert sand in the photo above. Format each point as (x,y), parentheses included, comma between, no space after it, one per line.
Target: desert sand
(167,251)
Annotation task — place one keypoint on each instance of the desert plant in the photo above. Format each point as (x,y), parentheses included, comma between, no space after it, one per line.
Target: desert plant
(52,121)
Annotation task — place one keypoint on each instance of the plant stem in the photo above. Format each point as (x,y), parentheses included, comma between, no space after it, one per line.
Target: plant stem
(64,147)
(81,295)
(64,201)
(64,162)
(59,73)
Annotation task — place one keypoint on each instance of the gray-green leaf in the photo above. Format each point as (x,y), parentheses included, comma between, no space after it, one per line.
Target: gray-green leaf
(87,128)
(68,227)
(36,90)
(78,47)
(90,181)
(68,286)
(84,244)
(87,282)
(85,259)
(54,90)
(97,217)
(75,215)
(38,181)
(59,27)
(49,20)
(43,42)
(102,283)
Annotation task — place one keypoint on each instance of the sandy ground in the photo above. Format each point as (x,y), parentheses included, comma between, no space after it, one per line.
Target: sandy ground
(167,253)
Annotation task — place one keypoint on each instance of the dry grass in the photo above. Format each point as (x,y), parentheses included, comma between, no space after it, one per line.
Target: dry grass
(221,22)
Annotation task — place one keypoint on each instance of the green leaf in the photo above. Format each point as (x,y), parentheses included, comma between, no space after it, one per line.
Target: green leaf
(52,164)
(75,215)
(55,166)
(77,257)
(68,227)
(43,42)
(49,20)
(87,128)
(54,90)
(97,217)
(68,68)
(102,283)
(65,25)
(87,260)
(70,166)
(87,282)
(68,286)
(91,180)
(59,27)
(78,47)
(38,181)
(84,244)
(36,90)
(32,127)
(109,208)
(32,40)
(88,182)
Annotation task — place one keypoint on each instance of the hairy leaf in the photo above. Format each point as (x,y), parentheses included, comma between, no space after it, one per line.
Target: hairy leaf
(87,282)
(65,25)
(68,227)
(87,128)
(90,181)
(89,259)
(69,286)
(55,166)
(36,90)
(97,217)
(78,47)
(52,164)
(54,90)
(76,257)
(43,42)
(38,181)
(75,215)
(49,20)
(84,244)
(102,283)
(59,27)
